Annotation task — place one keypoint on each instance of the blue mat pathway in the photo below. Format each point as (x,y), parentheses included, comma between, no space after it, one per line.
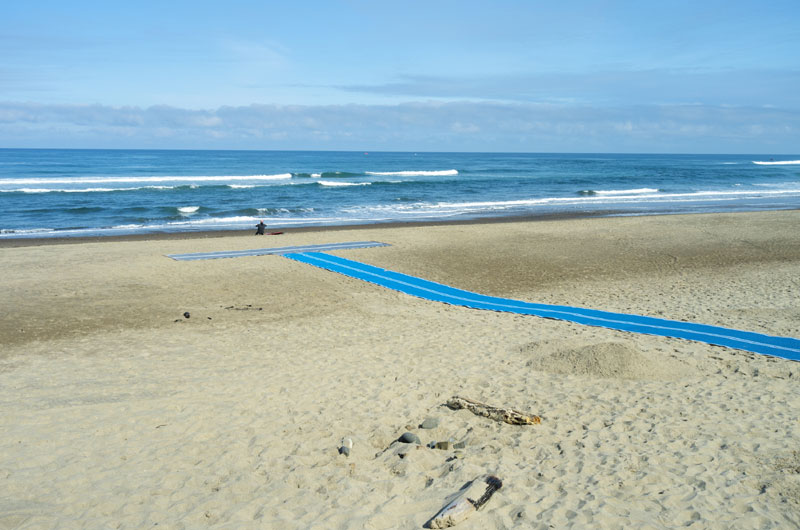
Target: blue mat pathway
(274,250)
(784,347)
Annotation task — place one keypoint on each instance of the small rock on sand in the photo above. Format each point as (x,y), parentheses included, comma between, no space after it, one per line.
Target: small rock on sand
(410,438)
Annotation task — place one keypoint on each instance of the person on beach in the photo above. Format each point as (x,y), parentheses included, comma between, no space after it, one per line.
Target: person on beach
(260,228)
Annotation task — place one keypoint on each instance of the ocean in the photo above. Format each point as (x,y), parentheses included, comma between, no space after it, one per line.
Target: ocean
(68,193)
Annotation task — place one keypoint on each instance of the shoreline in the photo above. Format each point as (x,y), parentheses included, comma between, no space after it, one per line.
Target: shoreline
(211,234)
(206,234)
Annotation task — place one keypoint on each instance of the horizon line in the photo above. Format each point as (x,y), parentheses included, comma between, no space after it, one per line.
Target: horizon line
(368,151)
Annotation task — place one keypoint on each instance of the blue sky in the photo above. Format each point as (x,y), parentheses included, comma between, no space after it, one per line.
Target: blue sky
(532,76)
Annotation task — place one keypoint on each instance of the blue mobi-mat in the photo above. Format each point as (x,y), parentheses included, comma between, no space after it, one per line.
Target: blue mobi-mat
(196,256)
(784,347)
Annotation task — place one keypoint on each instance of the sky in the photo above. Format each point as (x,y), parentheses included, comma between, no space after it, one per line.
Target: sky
(513,76)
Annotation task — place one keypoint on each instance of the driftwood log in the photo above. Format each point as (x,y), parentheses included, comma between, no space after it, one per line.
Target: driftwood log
(511,416)
(472,497)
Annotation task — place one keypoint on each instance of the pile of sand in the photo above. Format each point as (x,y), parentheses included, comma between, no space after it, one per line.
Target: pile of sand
(617,359)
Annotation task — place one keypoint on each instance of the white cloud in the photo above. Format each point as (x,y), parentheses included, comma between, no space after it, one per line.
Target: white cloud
(624,87)
(431,126)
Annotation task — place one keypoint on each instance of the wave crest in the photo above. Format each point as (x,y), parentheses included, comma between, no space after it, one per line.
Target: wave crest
(635,191)
(777,162)
(341,184)
(443,173)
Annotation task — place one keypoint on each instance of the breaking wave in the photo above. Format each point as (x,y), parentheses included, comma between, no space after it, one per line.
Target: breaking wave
(635,191)
(342,184)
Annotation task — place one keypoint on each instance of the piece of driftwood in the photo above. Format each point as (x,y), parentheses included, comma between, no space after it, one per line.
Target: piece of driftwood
(471,498)
(514,417)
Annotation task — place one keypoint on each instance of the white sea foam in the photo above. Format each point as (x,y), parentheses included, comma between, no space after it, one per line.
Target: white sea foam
(57,190)
(141,180)
(778,185)
(28,190)
(213,221)
(777,162)
(82,190)
(600,199)
(188,209)
(636,191)
(11,232)
(737,193)
(236,222)
(340,184)
(443,173)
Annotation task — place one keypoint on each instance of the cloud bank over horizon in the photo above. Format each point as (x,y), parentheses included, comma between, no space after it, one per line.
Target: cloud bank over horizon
(412,126)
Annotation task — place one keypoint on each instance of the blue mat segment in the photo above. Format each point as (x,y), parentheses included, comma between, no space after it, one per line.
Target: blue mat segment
(277,250)
(784,347)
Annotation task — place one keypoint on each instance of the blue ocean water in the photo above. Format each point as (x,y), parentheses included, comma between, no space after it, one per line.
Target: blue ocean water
(64,193)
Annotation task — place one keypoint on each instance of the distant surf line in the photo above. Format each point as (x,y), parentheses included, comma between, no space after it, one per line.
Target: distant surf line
(134,180)
(211,178)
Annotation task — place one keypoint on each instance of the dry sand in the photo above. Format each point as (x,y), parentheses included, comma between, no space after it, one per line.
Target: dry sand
(118,412)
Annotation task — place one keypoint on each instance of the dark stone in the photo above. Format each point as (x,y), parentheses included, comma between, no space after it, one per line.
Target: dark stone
(410,438)
(186,315)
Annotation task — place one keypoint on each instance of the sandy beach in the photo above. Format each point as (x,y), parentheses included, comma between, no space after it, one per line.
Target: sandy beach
(119,412)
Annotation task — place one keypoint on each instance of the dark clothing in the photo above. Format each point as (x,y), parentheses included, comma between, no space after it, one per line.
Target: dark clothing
(260,228)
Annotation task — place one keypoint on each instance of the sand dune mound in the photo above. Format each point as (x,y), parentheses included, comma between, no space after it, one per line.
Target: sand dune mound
(619,360)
